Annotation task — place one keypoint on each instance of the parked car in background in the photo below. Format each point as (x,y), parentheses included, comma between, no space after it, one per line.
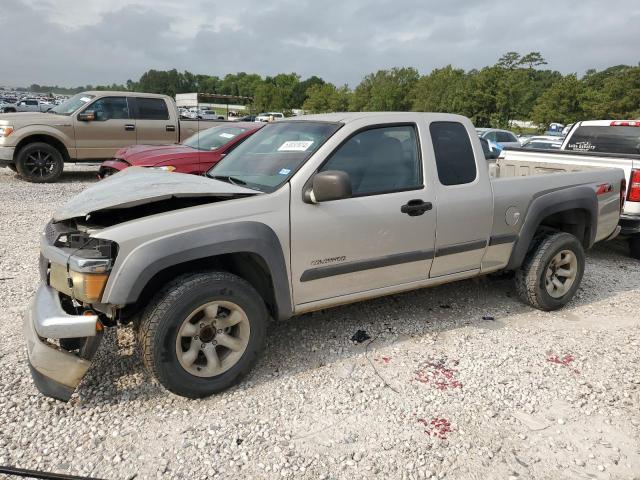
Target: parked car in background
(247,118)
(502,137)
(265,117)
(210,115)
(490,151)
(195,155)
(543,143)
(90,127)
(590,145)
(27,105)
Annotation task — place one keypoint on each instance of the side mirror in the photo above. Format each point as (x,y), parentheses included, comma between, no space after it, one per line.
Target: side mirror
(87,116)
(327,186)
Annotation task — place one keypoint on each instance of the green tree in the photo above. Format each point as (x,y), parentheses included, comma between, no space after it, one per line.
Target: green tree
(562,102)
(299,95)
(441,91)
(326,97)
(385,90)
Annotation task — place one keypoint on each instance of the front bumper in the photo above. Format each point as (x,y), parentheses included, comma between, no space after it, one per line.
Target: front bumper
(56,372)
(6,155)
(110,167)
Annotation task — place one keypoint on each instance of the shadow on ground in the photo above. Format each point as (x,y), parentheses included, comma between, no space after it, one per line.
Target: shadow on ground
(323,338)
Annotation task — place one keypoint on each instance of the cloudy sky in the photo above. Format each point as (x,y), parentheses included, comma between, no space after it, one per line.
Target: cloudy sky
(77,42)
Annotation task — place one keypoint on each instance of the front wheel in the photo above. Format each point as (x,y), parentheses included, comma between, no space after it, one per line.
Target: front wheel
(202,333)
(552,272)
(39,163)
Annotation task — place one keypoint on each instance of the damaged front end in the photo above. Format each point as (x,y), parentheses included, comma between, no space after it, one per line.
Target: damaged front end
(62,325)
(66,317)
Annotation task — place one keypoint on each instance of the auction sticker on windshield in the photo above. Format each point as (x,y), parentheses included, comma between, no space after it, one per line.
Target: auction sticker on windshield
(295,146)
(227,135)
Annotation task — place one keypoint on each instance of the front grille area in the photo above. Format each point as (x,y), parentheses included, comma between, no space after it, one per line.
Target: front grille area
(51,233)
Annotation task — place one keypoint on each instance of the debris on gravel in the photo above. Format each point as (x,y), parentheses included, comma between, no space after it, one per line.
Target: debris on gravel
(529,394)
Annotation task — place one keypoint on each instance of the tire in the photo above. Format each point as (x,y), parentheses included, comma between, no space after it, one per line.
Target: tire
(533,276)
(39,163)
(12,166)
(634,246)
(204,302)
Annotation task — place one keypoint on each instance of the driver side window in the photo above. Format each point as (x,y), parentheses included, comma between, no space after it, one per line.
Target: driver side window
(380,160)
(109,108)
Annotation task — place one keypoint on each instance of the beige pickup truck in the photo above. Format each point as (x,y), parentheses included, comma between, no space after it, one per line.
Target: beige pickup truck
(88,128)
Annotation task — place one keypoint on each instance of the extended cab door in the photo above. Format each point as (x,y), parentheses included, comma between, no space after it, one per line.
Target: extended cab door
(464,197)
(112,128)
(156,124)
(366,242)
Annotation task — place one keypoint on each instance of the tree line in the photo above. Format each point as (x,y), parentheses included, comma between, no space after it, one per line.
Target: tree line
(516,87)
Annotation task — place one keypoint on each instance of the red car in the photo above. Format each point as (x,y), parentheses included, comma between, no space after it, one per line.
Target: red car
(195,155)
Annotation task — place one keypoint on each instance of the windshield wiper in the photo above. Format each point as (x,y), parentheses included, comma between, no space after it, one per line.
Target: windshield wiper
(229,179)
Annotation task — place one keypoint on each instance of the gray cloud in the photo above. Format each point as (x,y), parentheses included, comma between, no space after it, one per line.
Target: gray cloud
(106,41)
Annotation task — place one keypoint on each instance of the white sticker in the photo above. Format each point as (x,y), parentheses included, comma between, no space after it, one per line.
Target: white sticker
(85,99)
(226,135)
(295,146)
(284,171)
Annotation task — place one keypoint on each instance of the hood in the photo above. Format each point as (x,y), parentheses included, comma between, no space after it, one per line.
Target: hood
(22,119)
(138,186)
(149,155)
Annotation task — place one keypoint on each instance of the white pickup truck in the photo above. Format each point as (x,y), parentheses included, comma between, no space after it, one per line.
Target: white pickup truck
(592,144)
(26,105)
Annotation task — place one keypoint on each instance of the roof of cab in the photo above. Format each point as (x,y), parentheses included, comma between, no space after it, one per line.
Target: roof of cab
(346,117)
(112,93)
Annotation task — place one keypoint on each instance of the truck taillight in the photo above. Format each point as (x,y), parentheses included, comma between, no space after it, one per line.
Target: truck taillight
(625,123)
(634,186)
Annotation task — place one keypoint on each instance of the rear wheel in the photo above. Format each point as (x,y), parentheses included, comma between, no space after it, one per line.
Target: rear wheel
(552,272)
(634,246)
(202,333)
(39,163)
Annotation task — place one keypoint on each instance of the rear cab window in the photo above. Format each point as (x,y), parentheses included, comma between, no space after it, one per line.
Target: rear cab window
(454,156)
(151,109)
(605,139)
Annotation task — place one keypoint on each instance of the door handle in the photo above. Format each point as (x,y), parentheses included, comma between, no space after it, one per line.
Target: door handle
(129,127)
(417,207)
(171,128)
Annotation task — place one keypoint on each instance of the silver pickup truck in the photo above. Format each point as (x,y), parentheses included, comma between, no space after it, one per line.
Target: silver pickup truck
(306,214)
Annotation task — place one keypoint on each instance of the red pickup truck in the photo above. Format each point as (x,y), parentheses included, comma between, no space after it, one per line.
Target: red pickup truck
(195,155)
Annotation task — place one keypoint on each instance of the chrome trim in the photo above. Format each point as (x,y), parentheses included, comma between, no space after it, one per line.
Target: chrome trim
(63,368)
(51,321)
(89,265)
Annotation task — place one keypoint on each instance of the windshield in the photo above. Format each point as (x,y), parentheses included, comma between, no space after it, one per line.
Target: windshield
(72,104)
(213,138)
(269,157)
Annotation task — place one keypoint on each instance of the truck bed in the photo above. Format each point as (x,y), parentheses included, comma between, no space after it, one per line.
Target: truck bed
(519,162)
(516,183)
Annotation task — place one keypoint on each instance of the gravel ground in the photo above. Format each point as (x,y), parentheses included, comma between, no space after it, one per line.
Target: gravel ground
(436,392)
